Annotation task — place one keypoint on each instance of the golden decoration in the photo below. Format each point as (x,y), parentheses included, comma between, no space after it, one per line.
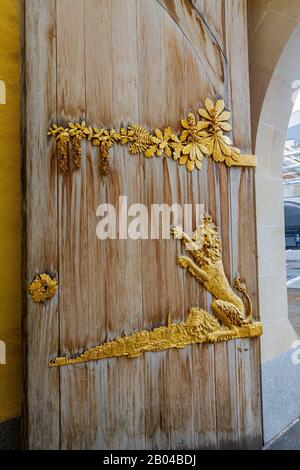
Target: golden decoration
(62,155)
(77,153)
(200,327)
(198,139)
(205,248)
(218,144)
(42,288)
(230,319)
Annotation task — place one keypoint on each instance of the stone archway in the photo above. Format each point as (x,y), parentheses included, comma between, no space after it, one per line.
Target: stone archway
(274,38)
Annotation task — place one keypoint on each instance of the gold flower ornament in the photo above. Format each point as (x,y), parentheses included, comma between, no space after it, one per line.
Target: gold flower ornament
(198,139)
(218,144)
(42,288)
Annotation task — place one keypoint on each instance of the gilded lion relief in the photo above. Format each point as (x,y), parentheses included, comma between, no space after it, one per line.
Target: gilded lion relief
(231,315)
(198,139)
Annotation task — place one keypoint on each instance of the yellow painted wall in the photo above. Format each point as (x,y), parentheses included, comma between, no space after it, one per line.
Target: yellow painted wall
(10,375)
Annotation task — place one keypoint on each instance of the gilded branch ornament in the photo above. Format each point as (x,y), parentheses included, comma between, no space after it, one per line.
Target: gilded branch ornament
(198,139)
(231,315)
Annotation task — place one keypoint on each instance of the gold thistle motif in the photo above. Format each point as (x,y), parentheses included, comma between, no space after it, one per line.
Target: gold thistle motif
(198,139)
(42,288)
(228,321)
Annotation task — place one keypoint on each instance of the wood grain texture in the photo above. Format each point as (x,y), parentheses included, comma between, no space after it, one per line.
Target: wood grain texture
(203,377)
(175,191)
(224,353)
(40,243)
(73,251)
(155,308)
(127,255)
(200,38)
(199,5)
(99,108)
(149,62)
(225,359)
(214,14)
(244,251)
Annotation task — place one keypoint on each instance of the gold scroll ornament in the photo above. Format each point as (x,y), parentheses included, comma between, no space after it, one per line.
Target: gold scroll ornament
(231,318)
(198,139)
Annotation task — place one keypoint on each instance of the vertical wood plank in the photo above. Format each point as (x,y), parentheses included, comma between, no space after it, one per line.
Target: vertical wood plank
(99,112)
(126,256)
(244,253)
(224,353)
(73,252)
(199,35)
(39,201)
(225,358)
(176,280)
(203,378)
(215,18)
(151,109)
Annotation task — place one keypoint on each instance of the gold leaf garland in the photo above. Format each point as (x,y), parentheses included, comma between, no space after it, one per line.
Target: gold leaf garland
(198,139)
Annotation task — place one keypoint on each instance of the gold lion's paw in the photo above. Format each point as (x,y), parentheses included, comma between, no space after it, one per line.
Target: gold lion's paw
(213,337)
(183,261)
(177,233)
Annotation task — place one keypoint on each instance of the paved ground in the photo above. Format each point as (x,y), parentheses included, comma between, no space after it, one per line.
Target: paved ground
(290,440)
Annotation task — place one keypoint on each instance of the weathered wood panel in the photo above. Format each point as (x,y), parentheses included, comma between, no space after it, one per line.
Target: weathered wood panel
(155,308)
(214,15)
(40,218)
(224,353)
(244,252)
(72,229)
(126,180)
(200,38)
(99,109)
(149,62)
(175,191)
(203,376)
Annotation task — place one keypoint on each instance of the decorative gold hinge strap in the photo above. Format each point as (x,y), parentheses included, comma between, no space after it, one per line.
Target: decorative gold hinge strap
(245,160)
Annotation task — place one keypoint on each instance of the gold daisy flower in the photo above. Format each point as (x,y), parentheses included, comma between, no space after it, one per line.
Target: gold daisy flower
(42,288)
(190,149)
(162,143)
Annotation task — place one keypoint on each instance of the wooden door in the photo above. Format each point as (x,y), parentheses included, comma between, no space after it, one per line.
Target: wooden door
(112,63)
